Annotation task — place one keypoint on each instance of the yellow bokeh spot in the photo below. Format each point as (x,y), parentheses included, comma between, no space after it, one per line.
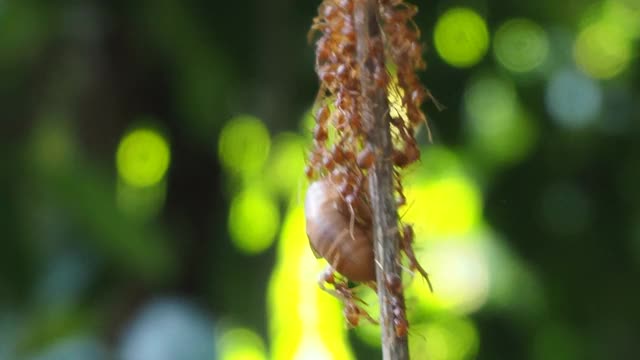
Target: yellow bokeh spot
(241,344)
(445,206)
(490,102)
(436,162)
(446,338)
(307,122)
(624,13)
(143,157)
(244,145)
(253,221)
(286,164)
(312,349)
(500,131)
(460,274)
(602,50)
(304,321)
(461,37)
(520,45)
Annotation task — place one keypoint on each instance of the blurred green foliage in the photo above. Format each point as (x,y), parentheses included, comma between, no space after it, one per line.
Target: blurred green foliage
(151,183)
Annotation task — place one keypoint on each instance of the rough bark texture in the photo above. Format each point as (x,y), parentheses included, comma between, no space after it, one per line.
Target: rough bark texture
(375,110)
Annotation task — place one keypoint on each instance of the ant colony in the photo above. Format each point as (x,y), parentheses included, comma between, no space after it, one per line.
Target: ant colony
(337,205)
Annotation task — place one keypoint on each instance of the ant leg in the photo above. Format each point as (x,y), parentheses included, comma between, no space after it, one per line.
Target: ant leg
(340,289)
(372,285)
(327,277)
(366,315)
(406,245)
(352,221)
(352,312)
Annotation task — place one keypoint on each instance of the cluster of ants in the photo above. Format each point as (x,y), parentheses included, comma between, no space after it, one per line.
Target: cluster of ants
(337,205)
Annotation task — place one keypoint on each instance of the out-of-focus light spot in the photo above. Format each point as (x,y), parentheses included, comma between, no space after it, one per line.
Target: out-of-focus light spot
(565,209)
(520,45)
(507,144)
(253,221)
(557,341)
(168,329)
(491,102)
(307,123)
(286,164)
(444,207)
(244,145)
(140,203)
(312,349)
(497,127)
(143,157)
(446,338)
(461,37)
(459,272)
(304,320)
(436,162)
(602,50)
(623,13)
(573,100)
(241,344)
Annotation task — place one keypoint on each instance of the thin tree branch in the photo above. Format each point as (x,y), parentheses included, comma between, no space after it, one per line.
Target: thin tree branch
(375,110)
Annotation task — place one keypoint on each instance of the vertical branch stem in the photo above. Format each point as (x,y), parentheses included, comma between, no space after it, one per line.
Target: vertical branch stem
(375,112)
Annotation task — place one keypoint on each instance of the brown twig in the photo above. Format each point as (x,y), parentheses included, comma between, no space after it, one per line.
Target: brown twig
(375,117)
